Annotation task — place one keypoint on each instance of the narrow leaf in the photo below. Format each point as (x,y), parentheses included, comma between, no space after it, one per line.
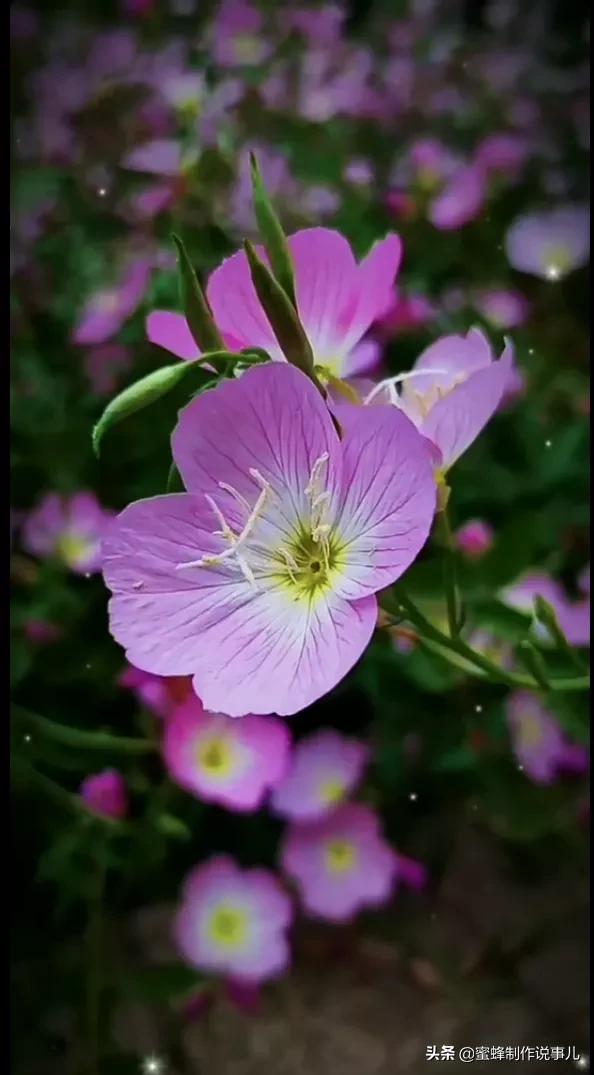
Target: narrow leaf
(273,236)
(282,315)
(196,308)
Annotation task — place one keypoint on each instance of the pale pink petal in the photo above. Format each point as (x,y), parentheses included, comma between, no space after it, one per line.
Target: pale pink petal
(374,289)
(364,358)
(171,332)
(455,421)
(236,307)
(327,288)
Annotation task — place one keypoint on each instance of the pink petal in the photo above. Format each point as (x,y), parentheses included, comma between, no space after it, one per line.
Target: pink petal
(374,288)
(389,497)
(236,307)
(364,358)
(170,331)
(455,421)
(326,278)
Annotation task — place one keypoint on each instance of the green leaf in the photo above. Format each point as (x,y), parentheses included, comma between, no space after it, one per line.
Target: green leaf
(195,304)
(161,982)
(273,236)
(282,315)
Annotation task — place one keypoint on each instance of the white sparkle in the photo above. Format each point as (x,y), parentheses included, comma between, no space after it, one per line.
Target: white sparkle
(553,272)
(530,350)
(548,443)
(478,708)
(102,191)
(153,1065)
(87,574)
(583,1063)
(521,768)
(413,796)
(27,739)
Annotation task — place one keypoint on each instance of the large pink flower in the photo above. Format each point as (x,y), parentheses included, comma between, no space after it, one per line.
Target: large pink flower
(68,528)
(234,921)
(221,760)
(340,863)
(325,768)
(452,392)
(260,580)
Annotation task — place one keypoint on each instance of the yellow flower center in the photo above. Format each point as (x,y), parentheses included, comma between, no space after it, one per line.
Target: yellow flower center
(557,262)
(331,792)
(72,549)
(228,927)
(427,179)
(216,757)
(530,730)
(341,856)
(247,48)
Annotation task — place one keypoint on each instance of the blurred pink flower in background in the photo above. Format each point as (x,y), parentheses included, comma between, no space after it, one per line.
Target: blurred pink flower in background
(502,307)
(234,922)
(238,35)
(538,742)
(475,538)
(502,152)
(105,794)
(340,863)
(230,762)
(103,366)
(41,632)
(162,156)
(460,201)
(550,244)
(324,770)
(406,314)
(573,616)
(319,25)
(107,310)
(69,528)
(160,694)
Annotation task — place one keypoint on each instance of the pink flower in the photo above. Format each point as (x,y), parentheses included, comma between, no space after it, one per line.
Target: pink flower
(432,162)
(105,794)
(340,863)
(320,25)
(538,742)
(230,762)
(573,616)
(159,694)
(40,631)
(69,528)
(475,538)
(260,580)
(103,365)
(238,38)
(406,314)
(460,201)
(550,244)
(106,311)
(162,156)
(452,392)
(504,309)
(325,769)
(337,299)
(502,152)
(148,203)
(234,922)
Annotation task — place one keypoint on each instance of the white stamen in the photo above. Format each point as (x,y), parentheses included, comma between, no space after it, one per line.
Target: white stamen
(236,540)
(399,378)
(234,493)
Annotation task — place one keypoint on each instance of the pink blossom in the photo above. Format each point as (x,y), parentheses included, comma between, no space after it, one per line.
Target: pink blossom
(325,769)
(238,35)
(319,25)
(105,794)
(41,631)
(573,616)
(106,311)
(70,528)
(230,762)
(503,308)
(340,863)
(452,392)
(475,538)
(337,299)
(539,743)
(550,244)
(103,366)
(406,314)
(160,694)
(148,203)
(234,922)
(260,580)
(162,156)
(460,201)
(502,153)
(433,163)
(359,172)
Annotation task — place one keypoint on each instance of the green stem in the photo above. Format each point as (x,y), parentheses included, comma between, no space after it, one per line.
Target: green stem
(491,670)
(94,961)
(449,574)
(76,737)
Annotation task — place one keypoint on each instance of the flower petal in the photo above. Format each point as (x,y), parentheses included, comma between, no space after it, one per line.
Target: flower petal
(455,421)
(388,499)
(171,332)
(326,286)
(236,307)
(374,289)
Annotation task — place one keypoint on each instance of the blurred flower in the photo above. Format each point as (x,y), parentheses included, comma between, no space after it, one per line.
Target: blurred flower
(550,244)
(502,153)
(106,311)
(337,299)
(539,743)
(103,366)
(260,580)
(460,201)
(70,528)
(432,162)
(159,694)
(105,794)
(475,538)
(238,35)
(504,309)
(406,314)
(453,390)
(281,187)
(40,631)
(573,617)
(359,172)
(496,649)
(230,762)
(340,863)
(162,156)
(319,25)
(584,580)
(234,922)
(325,769)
